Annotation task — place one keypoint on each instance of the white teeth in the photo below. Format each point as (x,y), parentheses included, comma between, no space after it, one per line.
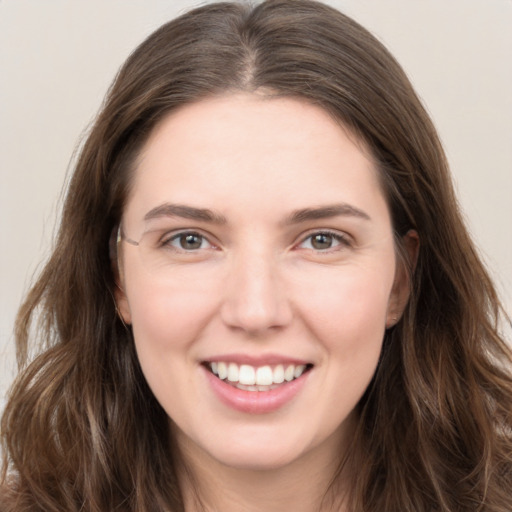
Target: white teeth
(264,376)
(288,373)
(278,375)
(247,375)
(233,372)
(261,378)
(299,370)
(222,368)
(248,388)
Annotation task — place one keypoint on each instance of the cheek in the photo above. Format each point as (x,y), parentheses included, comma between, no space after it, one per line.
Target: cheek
(166,318)
(350,322)
(166,322)
(350,301)
(348,317)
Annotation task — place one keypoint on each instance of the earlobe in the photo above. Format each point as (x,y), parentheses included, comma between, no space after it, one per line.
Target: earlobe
(122,306)
(120,298)
(405,268)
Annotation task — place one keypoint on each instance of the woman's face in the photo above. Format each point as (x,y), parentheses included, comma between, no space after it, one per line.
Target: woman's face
(264,278)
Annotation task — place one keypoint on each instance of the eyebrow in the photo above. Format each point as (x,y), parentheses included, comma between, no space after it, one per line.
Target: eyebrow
(325,212)
(296,217)
(185,212)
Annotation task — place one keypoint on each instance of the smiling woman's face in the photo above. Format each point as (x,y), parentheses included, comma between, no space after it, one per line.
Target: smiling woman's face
(263,280)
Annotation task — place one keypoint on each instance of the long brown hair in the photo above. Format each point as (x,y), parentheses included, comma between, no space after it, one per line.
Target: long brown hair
(82,431)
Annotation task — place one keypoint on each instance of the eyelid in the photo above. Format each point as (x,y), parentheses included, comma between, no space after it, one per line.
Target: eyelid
(343,238)
(169,236)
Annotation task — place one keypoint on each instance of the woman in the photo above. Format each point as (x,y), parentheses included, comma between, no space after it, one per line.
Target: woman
(252,303)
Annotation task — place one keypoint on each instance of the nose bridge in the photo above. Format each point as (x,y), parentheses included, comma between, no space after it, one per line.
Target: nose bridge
(255,299)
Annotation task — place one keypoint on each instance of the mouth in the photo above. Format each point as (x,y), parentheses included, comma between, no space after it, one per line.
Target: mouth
(256,378)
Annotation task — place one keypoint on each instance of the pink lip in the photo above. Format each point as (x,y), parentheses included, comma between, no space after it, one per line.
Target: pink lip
(256,361)
(255,402)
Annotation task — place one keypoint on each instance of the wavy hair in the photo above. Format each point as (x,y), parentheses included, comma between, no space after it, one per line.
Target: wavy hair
(83,432)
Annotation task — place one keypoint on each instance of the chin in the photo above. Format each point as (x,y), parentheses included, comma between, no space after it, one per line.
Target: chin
(256,458)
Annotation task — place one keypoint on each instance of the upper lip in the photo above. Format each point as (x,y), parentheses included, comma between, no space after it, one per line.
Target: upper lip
(257,360)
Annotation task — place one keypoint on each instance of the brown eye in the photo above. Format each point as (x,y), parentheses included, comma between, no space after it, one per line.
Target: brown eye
(322,241)
(188,242)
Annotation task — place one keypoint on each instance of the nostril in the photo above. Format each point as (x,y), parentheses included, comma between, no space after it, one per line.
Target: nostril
(256,316)
(253,298)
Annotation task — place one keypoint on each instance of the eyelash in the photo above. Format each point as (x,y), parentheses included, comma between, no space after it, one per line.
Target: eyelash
(166,241)
(340,239)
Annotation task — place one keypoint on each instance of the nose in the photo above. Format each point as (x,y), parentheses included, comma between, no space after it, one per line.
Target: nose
(255,298)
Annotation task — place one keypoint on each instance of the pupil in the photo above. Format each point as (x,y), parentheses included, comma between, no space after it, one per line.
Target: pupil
(190,241)
(321,241)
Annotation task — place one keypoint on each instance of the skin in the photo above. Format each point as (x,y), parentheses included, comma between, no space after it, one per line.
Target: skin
(257,285)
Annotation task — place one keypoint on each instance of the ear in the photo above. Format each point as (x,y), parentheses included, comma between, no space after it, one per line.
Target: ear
(121,300)
(122,305)
(405,266)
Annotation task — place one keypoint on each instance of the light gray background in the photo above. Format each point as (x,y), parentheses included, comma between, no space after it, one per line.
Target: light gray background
(57,58)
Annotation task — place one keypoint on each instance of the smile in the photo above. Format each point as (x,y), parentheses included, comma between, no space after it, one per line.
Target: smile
(256,389)
(251,378)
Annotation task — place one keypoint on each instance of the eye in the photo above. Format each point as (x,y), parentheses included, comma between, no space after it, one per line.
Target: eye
(323,241)
(188,241)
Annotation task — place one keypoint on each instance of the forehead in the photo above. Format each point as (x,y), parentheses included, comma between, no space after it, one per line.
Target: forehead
(240,149)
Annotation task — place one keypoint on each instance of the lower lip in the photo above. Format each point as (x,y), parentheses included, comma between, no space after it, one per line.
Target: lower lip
(256,402)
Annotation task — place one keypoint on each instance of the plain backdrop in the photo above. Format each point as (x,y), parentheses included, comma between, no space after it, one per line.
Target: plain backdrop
(58,57)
